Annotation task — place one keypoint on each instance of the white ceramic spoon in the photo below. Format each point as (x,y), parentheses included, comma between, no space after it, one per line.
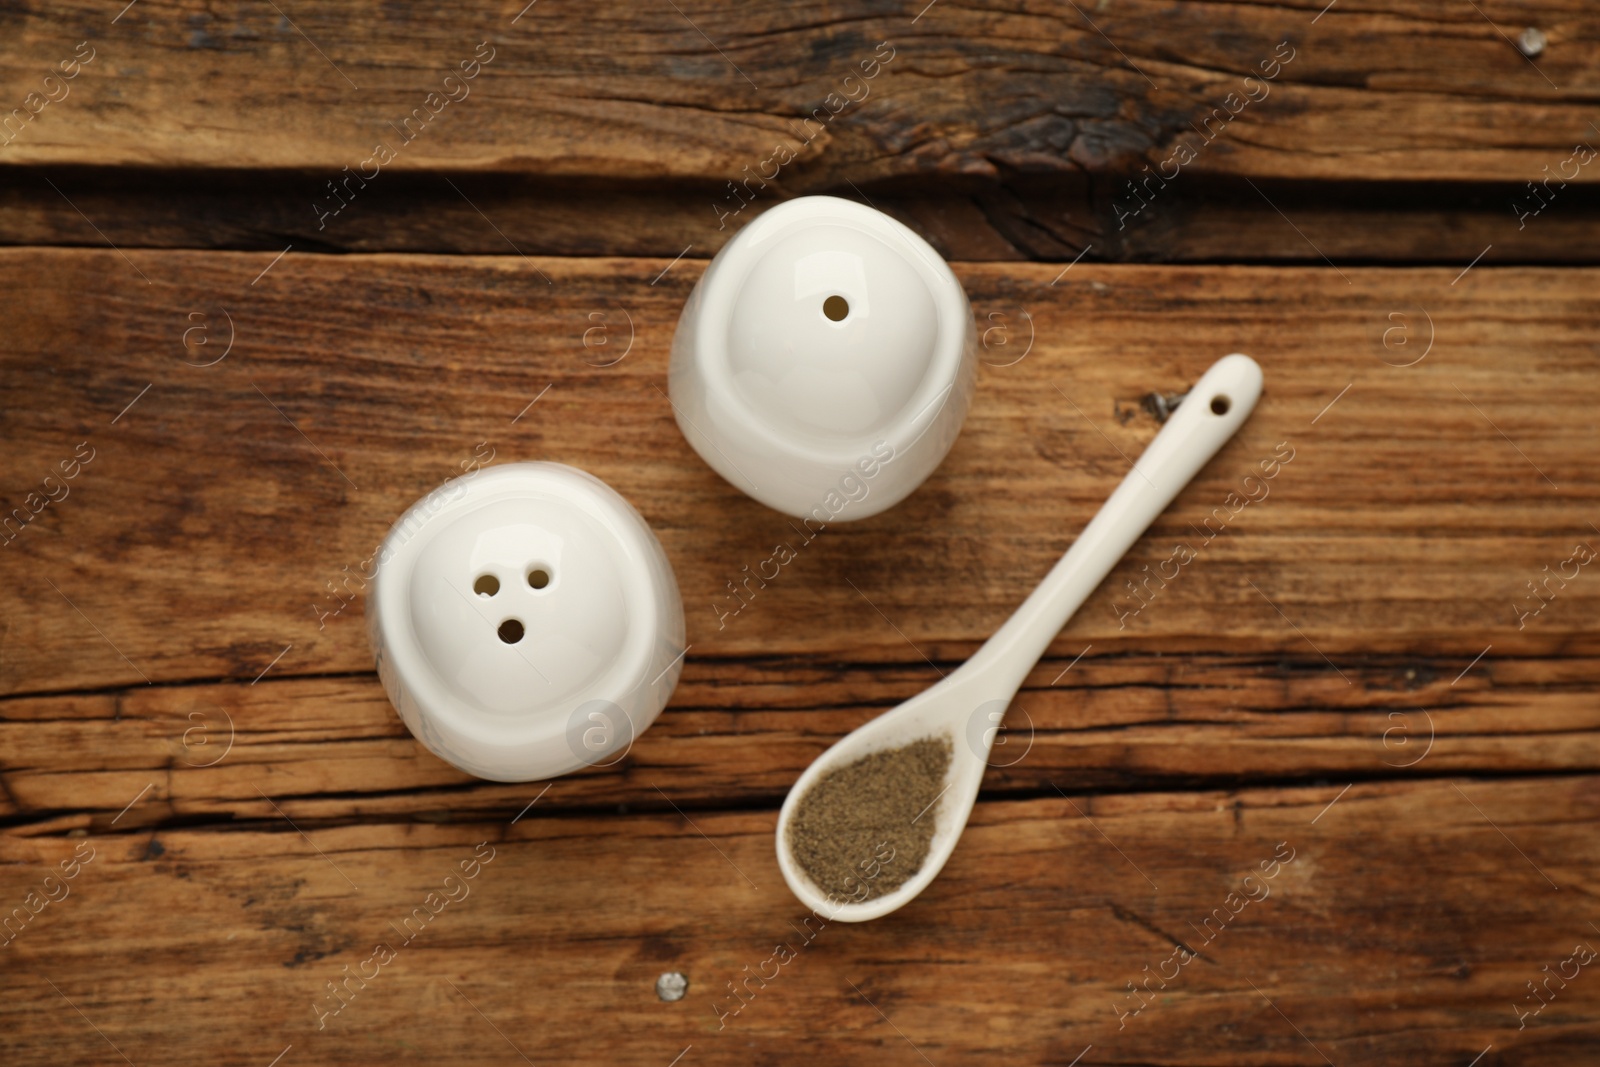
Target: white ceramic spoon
(1216,407)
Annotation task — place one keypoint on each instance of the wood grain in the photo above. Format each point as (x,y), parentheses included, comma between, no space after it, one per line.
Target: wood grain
(1399,132)
(1399,89)
(1403,930)
(213,534)
(738,733)
(1207,219)
(250,360)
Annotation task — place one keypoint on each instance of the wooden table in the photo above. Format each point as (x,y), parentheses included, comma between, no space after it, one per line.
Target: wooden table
(241,337)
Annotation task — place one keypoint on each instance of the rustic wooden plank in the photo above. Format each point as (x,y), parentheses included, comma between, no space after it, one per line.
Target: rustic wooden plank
(209,538)
(1040,170)
(1404,929)
(1398,89)
(328,750)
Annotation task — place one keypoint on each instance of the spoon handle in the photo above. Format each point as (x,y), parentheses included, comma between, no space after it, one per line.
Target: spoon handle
(1216,407)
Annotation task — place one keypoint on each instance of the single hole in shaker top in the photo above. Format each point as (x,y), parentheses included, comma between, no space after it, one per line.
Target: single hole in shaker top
(511,631)
(486,585)
(538,577)
(836,308)
(1220,405)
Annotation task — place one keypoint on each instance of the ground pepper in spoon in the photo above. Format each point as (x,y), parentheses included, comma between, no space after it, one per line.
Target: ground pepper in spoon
(1210,414)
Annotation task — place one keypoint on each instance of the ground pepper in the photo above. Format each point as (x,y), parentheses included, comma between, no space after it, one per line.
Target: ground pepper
(864,829)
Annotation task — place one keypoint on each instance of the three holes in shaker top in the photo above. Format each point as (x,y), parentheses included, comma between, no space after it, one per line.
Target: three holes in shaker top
(836,308)
(1220,405)
(487,585)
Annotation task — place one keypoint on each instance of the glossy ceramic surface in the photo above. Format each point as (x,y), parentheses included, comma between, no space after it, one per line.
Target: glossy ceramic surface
(825,361)
(525,622)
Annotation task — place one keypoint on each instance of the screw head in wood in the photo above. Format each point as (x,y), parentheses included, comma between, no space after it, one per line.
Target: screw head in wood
(672,986)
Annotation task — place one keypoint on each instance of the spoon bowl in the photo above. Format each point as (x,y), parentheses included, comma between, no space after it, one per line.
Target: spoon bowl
(961,706)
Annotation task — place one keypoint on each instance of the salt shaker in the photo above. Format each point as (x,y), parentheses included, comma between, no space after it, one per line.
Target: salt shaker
(525,622)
